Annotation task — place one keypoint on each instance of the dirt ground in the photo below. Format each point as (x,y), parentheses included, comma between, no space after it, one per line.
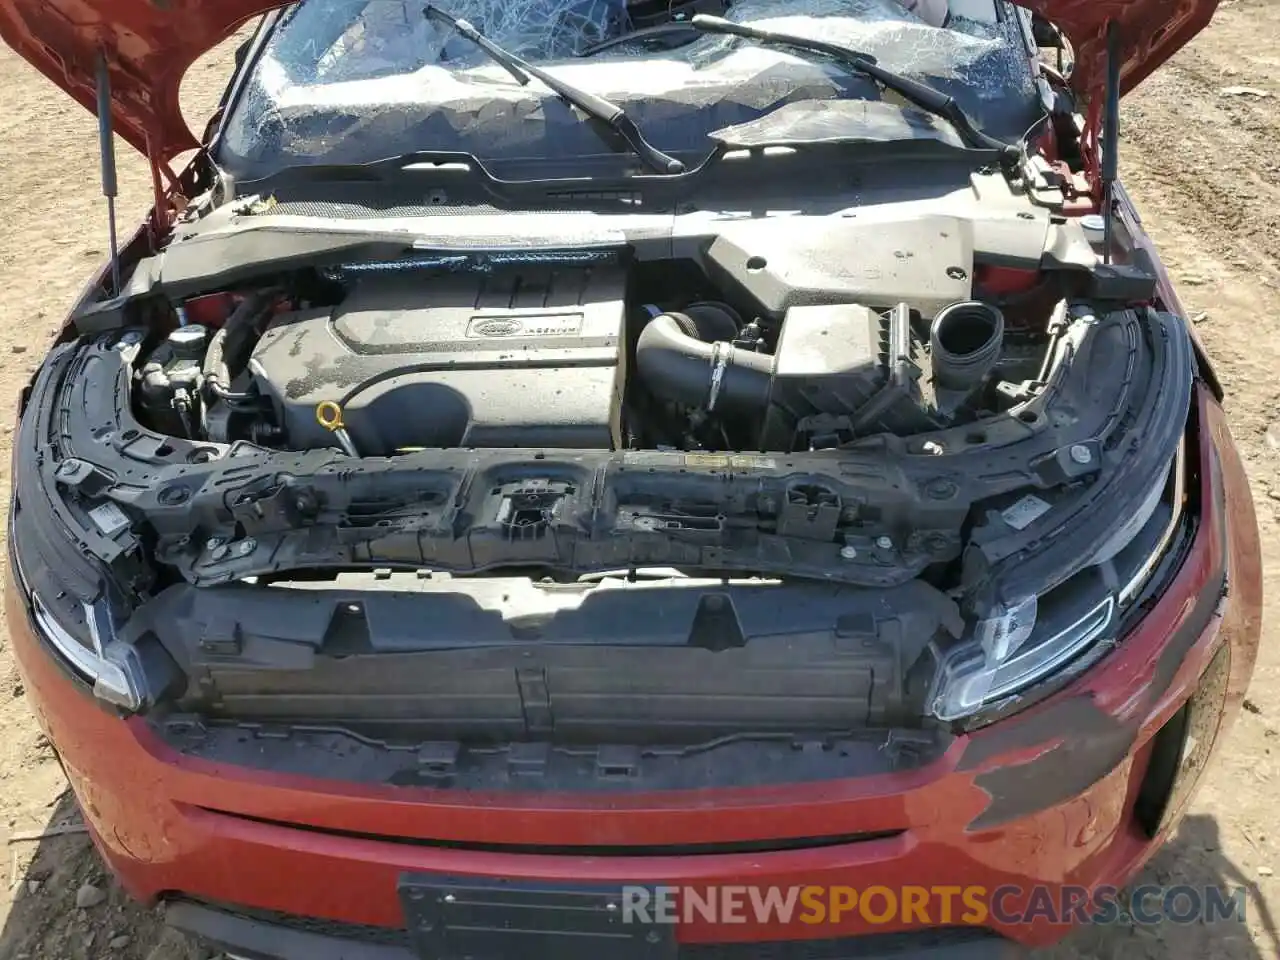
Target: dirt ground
(1201,158)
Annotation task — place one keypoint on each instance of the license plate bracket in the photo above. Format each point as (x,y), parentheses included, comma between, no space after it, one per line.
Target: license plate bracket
(479,918)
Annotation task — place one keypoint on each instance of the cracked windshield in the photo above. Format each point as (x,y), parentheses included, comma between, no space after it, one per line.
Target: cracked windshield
(353,82)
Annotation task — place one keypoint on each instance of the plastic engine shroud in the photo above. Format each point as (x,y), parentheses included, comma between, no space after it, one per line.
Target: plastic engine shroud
(527,359)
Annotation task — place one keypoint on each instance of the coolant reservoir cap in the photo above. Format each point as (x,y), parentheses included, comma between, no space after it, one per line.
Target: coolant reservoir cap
(1094,224)
(188,342)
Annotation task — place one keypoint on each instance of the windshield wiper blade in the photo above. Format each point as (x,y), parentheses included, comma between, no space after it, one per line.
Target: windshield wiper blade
(914,91)
(593,106)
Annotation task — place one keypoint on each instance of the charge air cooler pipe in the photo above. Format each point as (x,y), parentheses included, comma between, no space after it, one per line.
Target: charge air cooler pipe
(676,364)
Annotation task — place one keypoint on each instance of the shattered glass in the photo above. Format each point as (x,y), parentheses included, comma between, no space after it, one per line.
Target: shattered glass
(351,81)
(393,36)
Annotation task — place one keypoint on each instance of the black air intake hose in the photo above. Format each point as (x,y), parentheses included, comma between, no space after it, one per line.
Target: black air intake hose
(964,344)
(230,346)
(675,365)
(714,321)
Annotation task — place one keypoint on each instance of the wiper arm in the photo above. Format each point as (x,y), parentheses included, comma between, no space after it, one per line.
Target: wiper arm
(598,108)
(914,91)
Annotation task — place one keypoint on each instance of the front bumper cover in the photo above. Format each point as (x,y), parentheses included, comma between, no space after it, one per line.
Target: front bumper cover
(1016,803)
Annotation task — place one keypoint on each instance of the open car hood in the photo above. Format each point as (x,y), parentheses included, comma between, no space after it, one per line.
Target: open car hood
(150,44)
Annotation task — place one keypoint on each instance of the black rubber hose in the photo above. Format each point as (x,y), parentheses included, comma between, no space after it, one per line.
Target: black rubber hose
(964,344)
(232,338)
(714,321)
(676,366)
(216,376)
(241,328)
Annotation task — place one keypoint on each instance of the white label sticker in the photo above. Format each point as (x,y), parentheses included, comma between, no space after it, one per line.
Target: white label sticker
(1025,512)
(109,518)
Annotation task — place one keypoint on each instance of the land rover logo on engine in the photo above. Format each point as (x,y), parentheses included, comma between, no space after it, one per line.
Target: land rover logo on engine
(497,328)
(532,325)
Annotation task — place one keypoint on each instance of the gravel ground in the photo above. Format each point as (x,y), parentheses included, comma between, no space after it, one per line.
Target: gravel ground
(1204,165)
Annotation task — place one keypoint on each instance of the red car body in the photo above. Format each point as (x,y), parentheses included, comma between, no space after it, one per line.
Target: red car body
(1046,799)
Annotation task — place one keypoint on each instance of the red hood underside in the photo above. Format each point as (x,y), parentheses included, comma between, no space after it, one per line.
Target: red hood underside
(150,44)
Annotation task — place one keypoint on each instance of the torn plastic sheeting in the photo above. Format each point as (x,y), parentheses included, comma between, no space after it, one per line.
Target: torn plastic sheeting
(837,121)
(301,107)
(402,41)
(392,35)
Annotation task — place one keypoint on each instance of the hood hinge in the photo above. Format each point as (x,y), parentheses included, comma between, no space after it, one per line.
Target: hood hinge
(167,197)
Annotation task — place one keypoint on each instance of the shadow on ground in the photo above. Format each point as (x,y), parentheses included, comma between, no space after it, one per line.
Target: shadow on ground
(1193,858)
(44,921)
(68,908)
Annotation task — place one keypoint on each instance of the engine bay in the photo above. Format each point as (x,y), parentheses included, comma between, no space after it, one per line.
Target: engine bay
(916,416)
(864,399)
(574,357)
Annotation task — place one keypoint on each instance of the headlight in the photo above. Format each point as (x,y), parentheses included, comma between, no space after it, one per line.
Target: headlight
(1018,645)
(81,634)
(114,673)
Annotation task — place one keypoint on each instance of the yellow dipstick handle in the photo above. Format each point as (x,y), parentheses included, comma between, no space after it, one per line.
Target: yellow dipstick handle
(329,416)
